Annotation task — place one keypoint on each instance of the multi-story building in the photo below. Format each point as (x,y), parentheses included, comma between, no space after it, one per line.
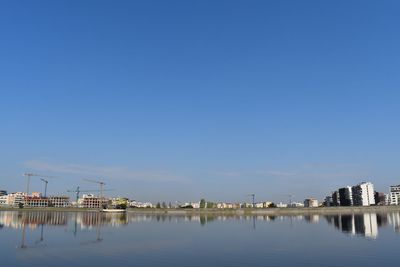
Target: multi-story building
(345,196)
(363,194)
(92,202)
(3,193)
(335,198)
(328,201)
(3,200)
(59,201)
(36,202)
(310,203)
(394,195)
(14,199)
(380,198)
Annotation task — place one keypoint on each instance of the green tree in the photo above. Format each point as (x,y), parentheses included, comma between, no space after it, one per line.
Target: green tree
(158,206)
(164,205)
(202,203)
(210,205)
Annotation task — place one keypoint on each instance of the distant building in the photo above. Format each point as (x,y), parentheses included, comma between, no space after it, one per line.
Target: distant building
(380,198)
(91,202)
(310,203)
(137,204)
(363,194)
(36,194)
(14,199)
(345,196)
(3,193)
(59,201)
(36,202)
(296,205)
(3,200)
(281,205)
(263,205)
(328,201)
(394,195)
(223,205)
(335,198)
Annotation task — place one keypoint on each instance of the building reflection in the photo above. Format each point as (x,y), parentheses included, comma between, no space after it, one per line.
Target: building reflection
(366,224)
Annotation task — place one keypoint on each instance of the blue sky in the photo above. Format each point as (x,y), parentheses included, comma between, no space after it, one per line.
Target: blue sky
(178,100)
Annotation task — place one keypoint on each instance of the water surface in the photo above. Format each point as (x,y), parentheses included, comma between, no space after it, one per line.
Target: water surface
(87,238)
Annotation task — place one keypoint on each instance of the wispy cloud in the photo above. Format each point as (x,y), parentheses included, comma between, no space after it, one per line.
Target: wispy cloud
(276,173)
(114,172)
(312,171)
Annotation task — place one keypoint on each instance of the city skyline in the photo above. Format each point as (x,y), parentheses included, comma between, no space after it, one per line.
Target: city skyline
(181,101)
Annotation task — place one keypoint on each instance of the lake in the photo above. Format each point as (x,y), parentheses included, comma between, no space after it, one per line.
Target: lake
(35,238)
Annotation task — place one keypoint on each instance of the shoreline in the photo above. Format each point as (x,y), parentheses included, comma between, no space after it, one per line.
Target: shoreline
(249,211)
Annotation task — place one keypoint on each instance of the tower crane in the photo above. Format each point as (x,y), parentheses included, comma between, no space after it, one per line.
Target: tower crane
(28,176)
(290,199)
(101,184)
(77,191)
(253,198)
(45,186)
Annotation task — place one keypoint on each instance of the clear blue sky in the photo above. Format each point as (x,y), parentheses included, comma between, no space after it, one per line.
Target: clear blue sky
(178,100)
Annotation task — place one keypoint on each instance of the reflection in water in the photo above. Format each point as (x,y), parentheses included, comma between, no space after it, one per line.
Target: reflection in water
(81,221)
(366,224)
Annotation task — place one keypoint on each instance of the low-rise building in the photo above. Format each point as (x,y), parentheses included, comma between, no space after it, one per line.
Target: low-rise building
(223,205)
(90,201)
(281,205)
(138,204)
(296,205)
(310,203)
(263,205)
(59,201)
(36,202)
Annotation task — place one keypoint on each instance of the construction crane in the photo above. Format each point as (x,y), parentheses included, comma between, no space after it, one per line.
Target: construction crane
(77,191)
(45,186)
(28,176)
(290,199)
(101,184)
(253,198)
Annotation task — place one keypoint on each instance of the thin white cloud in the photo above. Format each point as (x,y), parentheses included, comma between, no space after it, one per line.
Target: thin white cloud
(276,173)
(113,172)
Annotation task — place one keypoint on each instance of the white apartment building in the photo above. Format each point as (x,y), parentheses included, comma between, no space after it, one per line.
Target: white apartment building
(138,204)
(394,195)
(14,199)
(311,203)
(363,194)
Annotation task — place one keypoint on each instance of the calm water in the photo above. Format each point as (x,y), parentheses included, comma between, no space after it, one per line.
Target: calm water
(85,239)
